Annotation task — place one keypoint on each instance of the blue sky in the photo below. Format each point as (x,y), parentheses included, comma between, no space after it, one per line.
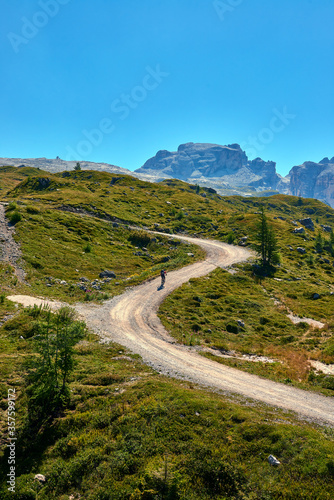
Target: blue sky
(115,81)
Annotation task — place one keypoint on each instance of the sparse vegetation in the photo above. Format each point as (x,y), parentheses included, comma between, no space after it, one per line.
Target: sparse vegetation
(130,433)
(125,431)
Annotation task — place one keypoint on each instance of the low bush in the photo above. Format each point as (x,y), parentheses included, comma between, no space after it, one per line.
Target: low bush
(15,218)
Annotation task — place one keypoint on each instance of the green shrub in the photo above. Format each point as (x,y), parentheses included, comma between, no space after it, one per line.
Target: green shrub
(232,327)
(139,239)
(12,206)
(230,238)
(87,248)
(328,382)
(15,217)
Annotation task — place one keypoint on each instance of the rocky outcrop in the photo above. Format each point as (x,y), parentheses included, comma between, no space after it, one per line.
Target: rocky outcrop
(229,164)
(57,165)
(313,180)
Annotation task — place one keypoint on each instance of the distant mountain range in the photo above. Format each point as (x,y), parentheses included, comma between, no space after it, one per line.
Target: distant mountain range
(224,168)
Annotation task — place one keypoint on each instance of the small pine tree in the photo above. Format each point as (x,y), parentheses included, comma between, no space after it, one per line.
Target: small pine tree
(77,166)
(331,243)
(267,246)
(47,379)
(319,243)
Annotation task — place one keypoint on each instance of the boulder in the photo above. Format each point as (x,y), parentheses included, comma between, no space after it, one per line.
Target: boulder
(273,460)
(243,241)
(43,182)
(299,230)
(315,296)
(327,229)
(107,274)
(308,223)
(301,250)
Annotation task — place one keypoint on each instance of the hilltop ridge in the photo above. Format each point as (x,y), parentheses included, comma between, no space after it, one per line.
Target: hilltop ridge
(226,169)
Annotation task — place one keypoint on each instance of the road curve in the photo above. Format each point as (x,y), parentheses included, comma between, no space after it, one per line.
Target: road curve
(131,320)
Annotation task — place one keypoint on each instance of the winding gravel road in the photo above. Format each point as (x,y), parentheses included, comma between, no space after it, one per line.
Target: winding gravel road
(131,320)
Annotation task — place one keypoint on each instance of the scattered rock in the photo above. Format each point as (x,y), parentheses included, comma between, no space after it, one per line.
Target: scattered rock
(328,229)
(190,254)
(115,224)
(43,182)
(107,274)
(40,478)
(241,323)
(308,223)
(166,259)
(301,250)
(273,460)
(299,230)
(243,241)
(85,280)
(315,296)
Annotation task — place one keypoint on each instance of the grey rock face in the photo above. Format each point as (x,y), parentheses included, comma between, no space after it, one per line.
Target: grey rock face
(313,180)
(192,162)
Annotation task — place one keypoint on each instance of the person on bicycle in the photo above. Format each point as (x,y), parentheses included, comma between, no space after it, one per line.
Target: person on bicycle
(163,275)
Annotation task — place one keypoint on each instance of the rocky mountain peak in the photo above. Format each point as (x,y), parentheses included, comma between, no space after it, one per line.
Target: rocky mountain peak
(198,162)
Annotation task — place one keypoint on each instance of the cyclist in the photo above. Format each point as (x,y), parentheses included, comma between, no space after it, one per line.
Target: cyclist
(163,275)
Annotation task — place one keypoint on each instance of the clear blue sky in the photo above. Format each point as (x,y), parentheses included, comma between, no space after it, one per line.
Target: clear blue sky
(115,81)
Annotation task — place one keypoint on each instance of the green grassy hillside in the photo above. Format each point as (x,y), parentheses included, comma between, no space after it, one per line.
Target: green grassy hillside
(130,433)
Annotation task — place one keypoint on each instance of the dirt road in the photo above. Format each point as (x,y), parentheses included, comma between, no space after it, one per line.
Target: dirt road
(131,320)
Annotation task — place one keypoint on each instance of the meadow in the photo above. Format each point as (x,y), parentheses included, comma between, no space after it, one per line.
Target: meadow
(128,432)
